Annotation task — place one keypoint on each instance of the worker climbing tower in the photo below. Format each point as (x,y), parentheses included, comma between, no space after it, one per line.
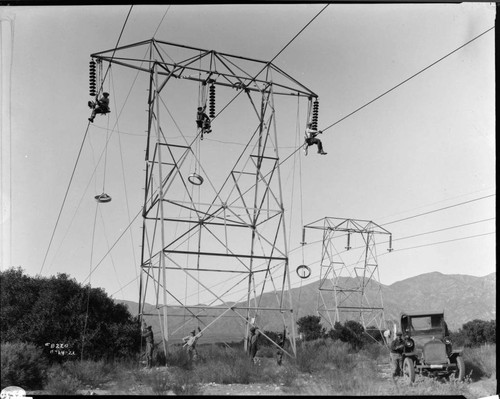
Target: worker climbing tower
(349,287)
(213,235)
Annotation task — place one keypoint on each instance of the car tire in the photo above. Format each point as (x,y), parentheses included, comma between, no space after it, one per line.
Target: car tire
(409,369)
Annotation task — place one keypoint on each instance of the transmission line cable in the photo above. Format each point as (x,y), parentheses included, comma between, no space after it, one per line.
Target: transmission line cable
(442,242)
(440,209)
(276,56)
(393,88)
(406,80)
(444,229)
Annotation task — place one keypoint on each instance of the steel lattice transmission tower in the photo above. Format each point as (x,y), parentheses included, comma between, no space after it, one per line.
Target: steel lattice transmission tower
(349,287)
(212,232)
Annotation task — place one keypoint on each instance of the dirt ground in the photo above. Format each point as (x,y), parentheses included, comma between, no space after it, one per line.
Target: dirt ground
(480,389)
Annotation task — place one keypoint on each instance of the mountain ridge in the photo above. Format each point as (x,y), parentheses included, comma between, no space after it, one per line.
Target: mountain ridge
(463,298)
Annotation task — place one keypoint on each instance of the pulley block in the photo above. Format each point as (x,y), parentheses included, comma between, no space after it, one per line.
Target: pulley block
(195,179)
(303,271)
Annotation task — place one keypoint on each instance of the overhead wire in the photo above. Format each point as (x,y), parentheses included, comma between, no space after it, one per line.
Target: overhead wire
(276,56)
(443,242)
(408,79)
(440,209)
(393,88)
(398,239)
(76,164)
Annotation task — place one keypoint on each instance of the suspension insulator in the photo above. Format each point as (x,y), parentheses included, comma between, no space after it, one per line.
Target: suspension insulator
(315,114)
(92,78)
(212,100)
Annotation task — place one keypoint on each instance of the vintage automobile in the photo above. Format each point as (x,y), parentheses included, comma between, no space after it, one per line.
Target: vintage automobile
(428,348)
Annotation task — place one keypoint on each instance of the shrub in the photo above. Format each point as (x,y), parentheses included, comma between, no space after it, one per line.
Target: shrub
(89,372)
(481,361)
(22,364)
(288,375)
(160,384)
(306,359)
(185,383)
(311,328)
(226,366)
(61,382)
(267,351)
(178,358)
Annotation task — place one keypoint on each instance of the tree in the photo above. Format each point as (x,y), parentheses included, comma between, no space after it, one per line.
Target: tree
(475,333)
(352,333)
(58,310)
(311,328)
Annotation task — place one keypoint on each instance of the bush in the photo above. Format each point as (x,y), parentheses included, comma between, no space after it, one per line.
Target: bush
(176,358)
(185,383)
(226,366)
(23,365)
(480,361)
(311,328)
(56,310)
(89,372)
(61,382)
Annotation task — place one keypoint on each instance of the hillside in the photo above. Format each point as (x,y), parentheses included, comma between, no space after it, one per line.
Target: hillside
(463,298)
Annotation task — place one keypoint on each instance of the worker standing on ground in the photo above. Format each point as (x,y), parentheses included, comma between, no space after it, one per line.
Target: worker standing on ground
(190,344)
(147,333)
(397,347)
(254,347)
(279,352)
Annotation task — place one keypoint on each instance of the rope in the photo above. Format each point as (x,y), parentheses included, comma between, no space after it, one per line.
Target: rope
(64,199)
(116,46)
(88,294)
(164,15)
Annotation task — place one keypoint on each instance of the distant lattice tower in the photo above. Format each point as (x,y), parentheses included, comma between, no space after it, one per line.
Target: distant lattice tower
(212,231)
(349,287)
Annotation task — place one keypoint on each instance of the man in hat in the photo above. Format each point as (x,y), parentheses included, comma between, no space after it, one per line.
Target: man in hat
(397,347)
(311,138)
(190,344)
(253,347)
(203,121)
(147,334)
(99,107)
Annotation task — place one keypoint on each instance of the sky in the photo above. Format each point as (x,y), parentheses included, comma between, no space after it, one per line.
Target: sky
(409,131)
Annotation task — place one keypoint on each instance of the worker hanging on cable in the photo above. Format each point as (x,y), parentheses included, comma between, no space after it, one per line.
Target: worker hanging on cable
(311,138)
(203,121)
(100,106)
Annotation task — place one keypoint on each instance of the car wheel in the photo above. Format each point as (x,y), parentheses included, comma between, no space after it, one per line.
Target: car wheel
(460,372)
(409,369)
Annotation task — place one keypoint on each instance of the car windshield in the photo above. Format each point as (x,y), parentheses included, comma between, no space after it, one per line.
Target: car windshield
(426,325)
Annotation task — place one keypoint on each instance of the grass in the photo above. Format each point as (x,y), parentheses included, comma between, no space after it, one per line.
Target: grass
(480,362)
(322,367)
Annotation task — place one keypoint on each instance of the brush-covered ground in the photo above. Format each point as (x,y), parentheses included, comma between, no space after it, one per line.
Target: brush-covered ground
(322,367)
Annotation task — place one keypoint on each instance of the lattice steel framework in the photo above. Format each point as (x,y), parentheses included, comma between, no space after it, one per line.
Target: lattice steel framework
(349,287)
(223,234)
